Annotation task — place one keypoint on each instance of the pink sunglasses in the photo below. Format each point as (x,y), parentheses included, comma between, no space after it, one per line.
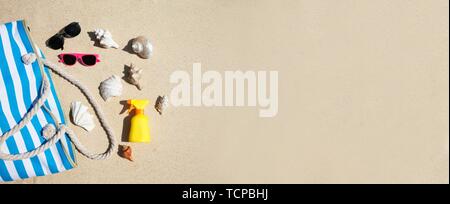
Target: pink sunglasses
(84,59)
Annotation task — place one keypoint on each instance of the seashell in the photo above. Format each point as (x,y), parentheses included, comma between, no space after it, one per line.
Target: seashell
(105,38)
(28,58)
(111,87)
(80,116)
(133,75)
(142,47)
(125,152)
(161,104)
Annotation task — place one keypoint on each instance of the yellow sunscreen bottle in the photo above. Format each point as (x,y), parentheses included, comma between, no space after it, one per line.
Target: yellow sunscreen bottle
(139,130)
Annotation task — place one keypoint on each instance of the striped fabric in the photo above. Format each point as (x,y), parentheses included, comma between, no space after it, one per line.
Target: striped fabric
(19,87)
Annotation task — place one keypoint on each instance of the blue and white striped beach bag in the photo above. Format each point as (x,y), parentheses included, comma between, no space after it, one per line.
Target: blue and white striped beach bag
(20,88)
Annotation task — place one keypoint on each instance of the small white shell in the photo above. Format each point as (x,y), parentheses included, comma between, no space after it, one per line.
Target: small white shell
(105,38)
(80,116)
(133,75)
(161,104)
(142,46)
(111,87)
(28,58)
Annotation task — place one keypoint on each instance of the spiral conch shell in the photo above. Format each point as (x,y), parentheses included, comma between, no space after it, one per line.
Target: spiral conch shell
(133,75)
(111,87)
(142,47)
(105,38)
(80,116)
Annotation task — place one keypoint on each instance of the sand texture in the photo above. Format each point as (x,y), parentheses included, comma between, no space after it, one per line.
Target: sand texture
(363,88)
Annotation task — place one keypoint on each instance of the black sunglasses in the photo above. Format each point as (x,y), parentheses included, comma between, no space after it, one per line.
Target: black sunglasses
(57,41)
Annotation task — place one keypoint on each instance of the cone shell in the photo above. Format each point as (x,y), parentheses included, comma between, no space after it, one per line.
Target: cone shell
(125,152)
(162,102)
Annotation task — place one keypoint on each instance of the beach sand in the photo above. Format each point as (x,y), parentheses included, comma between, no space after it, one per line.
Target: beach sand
(363,88)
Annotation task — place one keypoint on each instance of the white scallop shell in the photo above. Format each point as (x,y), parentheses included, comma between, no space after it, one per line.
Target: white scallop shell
(105,38)
(111,87)
(142,46)
(80,116)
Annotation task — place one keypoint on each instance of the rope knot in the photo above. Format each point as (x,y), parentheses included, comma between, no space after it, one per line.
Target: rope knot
(48,131)
(28,58)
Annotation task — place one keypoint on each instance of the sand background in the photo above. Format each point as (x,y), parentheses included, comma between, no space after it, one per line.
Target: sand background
(363,88)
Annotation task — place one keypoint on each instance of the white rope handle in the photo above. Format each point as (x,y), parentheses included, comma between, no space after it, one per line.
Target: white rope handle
(61,129)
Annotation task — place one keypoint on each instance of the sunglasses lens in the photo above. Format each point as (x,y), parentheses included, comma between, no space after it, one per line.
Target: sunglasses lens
(72,30)
(56,42)
(69,59)
(89,60)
